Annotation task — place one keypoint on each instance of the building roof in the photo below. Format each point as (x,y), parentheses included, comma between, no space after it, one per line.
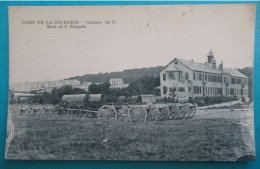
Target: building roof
(95,97)
(86,83)
(73,98)
(175,69)
(234,72)
(115,79)
(202,67)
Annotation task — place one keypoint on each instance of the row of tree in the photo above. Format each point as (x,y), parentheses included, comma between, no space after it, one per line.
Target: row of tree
(128,76)
(248,71)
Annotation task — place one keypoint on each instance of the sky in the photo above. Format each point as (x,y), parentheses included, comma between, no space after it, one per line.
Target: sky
(141,36)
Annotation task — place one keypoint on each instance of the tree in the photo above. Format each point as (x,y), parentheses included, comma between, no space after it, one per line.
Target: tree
(94,89)
(104,88)
(248,71)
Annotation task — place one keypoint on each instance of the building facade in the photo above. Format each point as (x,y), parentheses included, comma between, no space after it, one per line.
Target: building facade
(46,86)
(186,78)
(117,83)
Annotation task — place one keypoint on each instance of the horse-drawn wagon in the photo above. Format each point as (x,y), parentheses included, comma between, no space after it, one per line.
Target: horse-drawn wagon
(134,108)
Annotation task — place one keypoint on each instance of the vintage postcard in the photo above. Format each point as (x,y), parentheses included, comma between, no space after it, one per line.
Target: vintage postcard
(138,83)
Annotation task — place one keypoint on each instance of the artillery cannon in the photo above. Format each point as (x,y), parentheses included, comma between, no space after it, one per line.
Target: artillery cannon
(135,108)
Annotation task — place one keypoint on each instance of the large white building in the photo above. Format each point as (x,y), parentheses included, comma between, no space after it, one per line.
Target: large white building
(191,79)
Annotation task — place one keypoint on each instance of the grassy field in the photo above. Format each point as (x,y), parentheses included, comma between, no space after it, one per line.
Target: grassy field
(68,138)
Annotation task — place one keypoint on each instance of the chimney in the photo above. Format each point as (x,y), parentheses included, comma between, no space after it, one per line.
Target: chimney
(210,56)
(221,66)
(214,64)
(192,60)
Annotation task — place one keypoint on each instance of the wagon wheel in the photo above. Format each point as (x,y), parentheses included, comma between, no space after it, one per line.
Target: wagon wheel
(46,112)
(137,113)
(86,114)
(74,110)
(58,110)
(192,111)
(122,113)
(63,111)
(49,111)
(34,112)
(22,111)
(174,110)
(80,114)
(164,113)
(185,110)
(42,111)
(153,113)
(107,112)
(67,111)
(27,111)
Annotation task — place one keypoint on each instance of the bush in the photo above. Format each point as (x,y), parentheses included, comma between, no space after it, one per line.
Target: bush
(243,99)
(205,101)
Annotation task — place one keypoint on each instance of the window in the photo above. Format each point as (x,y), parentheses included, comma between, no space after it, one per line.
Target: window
(186,76)
(171,75)
(181,89)
(179,76)
(200,76)
(206,77)
(232,92)
(189,89)
(176,63)
(219,91)
(164,76)
(164,89)
(197,90)
(194,76)
(210,78)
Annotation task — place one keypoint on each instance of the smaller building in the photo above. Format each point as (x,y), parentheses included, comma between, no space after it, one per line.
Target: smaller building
(148,98)
(84,86)
(117,83)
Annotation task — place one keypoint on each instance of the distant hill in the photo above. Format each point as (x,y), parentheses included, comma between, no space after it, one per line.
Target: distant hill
(128,76)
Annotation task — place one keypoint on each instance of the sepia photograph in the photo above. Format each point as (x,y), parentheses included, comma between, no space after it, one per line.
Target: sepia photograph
(131,83)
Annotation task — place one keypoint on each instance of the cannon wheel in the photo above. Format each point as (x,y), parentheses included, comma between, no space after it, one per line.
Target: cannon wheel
(74,110)
(107,112)
(174,110)
(192,111)
(164,113)
(185,110)
(122,113)
(137,114)
(36,111)
(153,113)
(58,110)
